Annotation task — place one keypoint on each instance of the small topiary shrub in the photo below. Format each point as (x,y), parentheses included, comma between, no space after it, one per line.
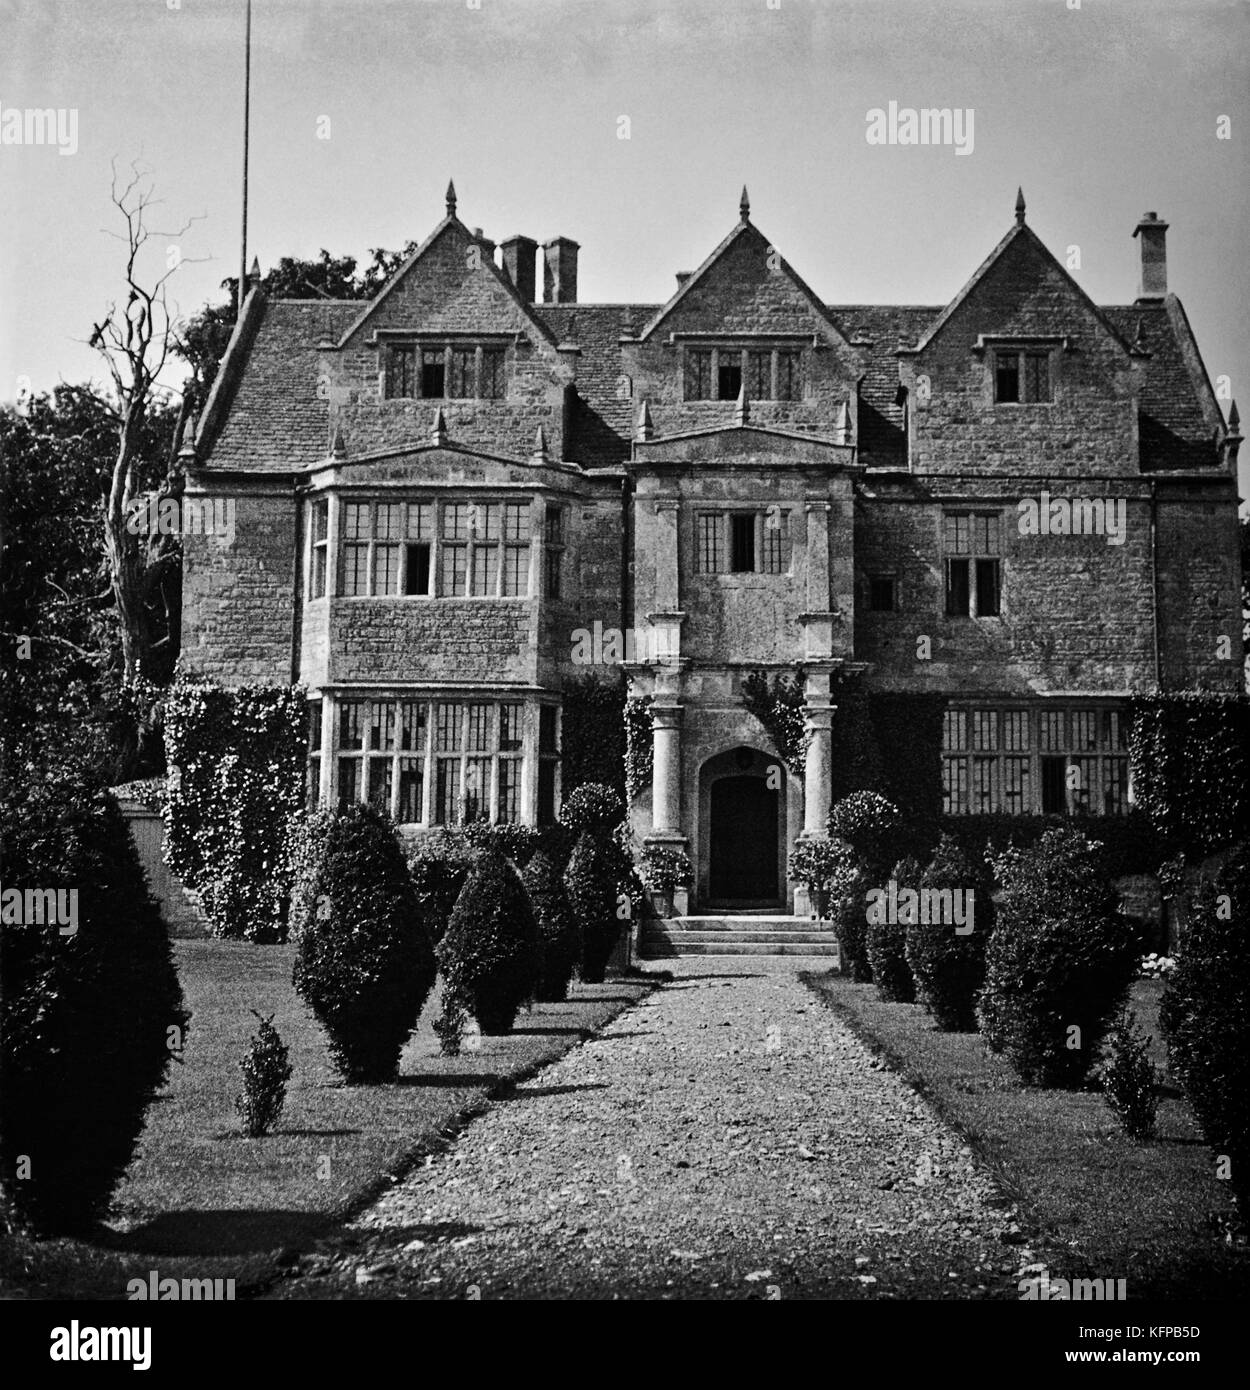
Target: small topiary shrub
(364,962)
(946,955)
(850,919)
(439,865)
(886,944)
(592,882)
(1128,1077)
(1205,1017)
(490,954)
(559,940)
(664,869)
(89,1019)
(266,1070)
(592,807)
(513,841)
(872,826)
(1060,961)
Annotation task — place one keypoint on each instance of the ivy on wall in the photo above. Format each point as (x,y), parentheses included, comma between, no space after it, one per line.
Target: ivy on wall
(639,748)
(593,733)
(1190,758)
(778,705)
(907,729)
(236,793)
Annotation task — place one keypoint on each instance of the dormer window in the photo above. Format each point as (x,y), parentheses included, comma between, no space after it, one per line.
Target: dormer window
(444,371)
(719,373)
(1022,376)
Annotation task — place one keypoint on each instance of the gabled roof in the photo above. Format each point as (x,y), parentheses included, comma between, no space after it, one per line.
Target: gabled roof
(450,224)
(1020,232)
(745,228)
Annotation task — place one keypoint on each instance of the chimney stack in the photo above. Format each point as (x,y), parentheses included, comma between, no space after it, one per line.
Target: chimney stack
(518,263)
(1154,257)
(560,271)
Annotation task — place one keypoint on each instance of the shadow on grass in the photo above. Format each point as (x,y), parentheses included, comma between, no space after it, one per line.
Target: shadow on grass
(240,1232)
(473,1080)
(529,1092)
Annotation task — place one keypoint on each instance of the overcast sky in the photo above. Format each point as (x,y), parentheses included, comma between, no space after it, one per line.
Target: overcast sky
(1100,112)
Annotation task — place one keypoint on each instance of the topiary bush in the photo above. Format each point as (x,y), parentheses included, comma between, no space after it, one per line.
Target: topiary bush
(490,953)
(886,945)
(1060,960)
(439,865)
(1205,1017)
(364,961)
(513,841)
(850,919)
(592,807)
(1128,1077)
(872,826)
(947,959)
(559,939)
(91,1018)
(266,1070)
(592,881)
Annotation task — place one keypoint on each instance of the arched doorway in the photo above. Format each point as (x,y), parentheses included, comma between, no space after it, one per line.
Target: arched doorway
(744,793)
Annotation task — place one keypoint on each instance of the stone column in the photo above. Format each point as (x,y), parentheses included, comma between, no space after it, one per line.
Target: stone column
(325,789)
(818,712)
(666,769)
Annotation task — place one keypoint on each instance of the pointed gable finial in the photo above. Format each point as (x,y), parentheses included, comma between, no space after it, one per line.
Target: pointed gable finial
(1234,419)
(439,434)
(187,451)
(1019,207)
(338,449)
(646,429)
(540,444)
(744,205)
(253,275)
(451,199)
(744,405)
(844,423)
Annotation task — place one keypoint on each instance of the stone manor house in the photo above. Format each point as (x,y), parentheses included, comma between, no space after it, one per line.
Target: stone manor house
(1021,500)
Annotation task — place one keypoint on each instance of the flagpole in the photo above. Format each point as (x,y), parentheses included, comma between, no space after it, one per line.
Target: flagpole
(247,104)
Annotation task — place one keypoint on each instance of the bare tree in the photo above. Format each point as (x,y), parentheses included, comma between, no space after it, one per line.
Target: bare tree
(135,339)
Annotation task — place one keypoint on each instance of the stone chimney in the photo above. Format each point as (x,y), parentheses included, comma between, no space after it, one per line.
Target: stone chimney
(560,271)
(519,253)
(1154,257)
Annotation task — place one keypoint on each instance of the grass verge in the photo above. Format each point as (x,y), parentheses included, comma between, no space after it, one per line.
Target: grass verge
(1099,1203)
(203,1201)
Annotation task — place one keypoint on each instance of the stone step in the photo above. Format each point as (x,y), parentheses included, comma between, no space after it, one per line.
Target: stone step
(746,923)
(733,946)
(816,937)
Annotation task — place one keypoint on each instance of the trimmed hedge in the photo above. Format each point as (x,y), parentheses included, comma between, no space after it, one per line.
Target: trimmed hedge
(490,953)
(850,915)
(592,736)
(949,968)
(592,881)
(364,962)
(1205,1016)
(886,944)
(1190,753)
(1060,962)
(1131,844)
(559,940)
(237,761)
(90,1020)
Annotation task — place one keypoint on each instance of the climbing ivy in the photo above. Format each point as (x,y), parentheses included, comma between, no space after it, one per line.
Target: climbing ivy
(778,705)
(638,745)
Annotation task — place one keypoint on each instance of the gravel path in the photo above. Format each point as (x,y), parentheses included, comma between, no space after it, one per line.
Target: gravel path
(727,1138)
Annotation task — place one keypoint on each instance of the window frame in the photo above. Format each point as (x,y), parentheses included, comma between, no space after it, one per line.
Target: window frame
(972,569)
(486,377)
(1024,352)
(1035,746)
(510,549)
(714,542)
(702,364)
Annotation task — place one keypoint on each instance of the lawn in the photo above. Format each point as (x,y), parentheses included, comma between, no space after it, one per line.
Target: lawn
(1094,1202)
(201,1200)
